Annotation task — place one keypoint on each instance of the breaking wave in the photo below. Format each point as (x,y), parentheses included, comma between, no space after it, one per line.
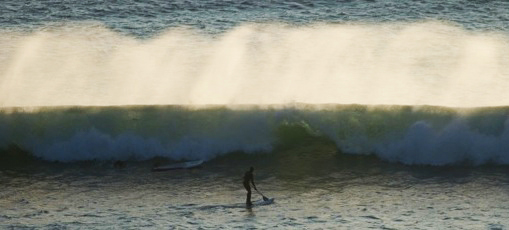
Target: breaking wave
(407,134)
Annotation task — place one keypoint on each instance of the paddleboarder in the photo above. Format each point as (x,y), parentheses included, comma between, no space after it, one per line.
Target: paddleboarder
(249,178)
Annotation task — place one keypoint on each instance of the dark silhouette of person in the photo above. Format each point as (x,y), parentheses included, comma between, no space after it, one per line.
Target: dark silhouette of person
(248,178)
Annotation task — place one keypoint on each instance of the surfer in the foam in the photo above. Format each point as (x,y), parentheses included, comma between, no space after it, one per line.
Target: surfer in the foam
(248,178)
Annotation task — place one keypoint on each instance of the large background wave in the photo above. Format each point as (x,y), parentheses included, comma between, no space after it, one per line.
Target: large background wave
(407,134)
(211,53)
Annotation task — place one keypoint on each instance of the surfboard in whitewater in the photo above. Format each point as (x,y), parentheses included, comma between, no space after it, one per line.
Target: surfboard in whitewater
(180,165)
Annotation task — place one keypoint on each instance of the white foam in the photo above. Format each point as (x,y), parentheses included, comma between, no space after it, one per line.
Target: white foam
(456,143)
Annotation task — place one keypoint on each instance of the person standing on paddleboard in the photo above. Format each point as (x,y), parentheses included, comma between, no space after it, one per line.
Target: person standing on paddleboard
(249,178)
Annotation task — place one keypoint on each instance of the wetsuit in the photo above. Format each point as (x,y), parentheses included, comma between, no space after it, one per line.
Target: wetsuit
(248,178)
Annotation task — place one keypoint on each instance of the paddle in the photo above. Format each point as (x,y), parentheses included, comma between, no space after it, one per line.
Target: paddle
(264,197)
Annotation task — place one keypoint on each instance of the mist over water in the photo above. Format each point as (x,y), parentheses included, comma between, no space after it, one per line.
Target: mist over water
(428,62)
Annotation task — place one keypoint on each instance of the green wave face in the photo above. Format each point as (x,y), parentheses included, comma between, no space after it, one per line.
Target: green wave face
(411,135)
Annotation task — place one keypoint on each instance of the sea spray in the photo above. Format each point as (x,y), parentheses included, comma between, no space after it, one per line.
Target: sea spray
(420,63)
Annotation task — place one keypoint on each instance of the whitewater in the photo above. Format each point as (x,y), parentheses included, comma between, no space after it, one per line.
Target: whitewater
(426,135)
(354,114)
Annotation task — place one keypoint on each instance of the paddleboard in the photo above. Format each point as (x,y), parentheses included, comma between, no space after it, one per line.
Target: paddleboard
(263,202)
(181,165)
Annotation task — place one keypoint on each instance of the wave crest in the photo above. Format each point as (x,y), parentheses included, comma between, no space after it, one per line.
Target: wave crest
(410,135)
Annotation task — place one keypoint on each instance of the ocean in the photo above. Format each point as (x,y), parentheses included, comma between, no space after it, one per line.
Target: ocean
(355,114)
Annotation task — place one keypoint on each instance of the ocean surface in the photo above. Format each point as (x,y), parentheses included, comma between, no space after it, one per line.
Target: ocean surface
(355,114)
